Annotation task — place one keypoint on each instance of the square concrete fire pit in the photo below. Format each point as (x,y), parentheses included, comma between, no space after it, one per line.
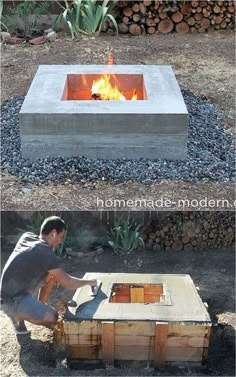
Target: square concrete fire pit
(138,318)
(59,116)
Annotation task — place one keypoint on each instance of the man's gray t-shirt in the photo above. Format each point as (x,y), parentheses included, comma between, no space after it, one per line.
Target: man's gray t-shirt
(27,266)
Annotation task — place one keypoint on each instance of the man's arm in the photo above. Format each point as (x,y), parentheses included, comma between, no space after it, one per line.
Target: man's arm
(70,282)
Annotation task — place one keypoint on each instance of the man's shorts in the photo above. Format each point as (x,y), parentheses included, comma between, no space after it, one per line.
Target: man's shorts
(27,307)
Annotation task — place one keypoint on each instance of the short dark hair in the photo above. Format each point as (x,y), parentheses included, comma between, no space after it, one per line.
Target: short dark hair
(52,222)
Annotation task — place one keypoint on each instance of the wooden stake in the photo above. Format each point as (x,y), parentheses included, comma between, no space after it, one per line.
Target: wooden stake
(160,343)
(108,348)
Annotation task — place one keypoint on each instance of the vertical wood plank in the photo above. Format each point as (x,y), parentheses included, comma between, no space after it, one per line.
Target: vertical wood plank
(206,346)
(108,342)
(160,343)
(136,295)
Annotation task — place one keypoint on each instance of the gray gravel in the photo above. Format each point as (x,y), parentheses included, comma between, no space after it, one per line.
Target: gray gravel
(211,155)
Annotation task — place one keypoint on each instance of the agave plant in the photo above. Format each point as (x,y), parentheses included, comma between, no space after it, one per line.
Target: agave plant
(85,16)
(1,17)
(24,17)
(125,236)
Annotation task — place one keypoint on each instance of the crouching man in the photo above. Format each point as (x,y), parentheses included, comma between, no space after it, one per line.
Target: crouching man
(33,265)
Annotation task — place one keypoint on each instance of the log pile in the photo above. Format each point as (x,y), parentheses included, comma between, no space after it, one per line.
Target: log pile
(165,16)
(191,231)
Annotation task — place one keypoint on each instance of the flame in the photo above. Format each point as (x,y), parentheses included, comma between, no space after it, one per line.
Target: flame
(102,88)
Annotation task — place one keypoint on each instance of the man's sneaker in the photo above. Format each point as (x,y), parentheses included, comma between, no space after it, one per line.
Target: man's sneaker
(19,327)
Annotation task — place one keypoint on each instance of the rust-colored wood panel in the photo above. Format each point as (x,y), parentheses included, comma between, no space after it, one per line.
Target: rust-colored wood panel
(151,298)
(206,345)
(160,343)
(136,295)
(83,352)
(108,343)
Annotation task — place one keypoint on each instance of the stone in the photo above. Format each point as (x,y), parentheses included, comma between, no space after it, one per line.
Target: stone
(47,31)
(51,36)
(38,40)
(4,34)
(206,225)
(14,40)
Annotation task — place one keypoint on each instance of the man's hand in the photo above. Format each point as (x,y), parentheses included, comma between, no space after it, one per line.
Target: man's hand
(92,283)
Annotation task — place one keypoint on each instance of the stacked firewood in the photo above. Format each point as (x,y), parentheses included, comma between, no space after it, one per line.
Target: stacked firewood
(191,231)
(165,16)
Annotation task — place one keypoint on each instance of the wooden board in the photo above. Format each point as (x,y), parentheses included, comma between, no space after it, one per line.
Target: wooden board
(83,339)
(135,328)
(160,343)
(136,295)
(134,353)
(184,354)
(108,343)
(177,330)
(185,341)
(83,352)
(133,340)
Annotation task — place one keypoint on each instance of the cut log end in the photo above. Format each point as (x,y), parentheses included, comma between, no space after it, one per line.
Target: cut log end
(165,26)
(135,29)
(182,27)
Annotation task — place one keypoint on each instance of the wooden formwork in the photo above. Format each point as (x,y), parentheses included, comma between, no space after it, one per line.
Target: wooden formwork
(161,332)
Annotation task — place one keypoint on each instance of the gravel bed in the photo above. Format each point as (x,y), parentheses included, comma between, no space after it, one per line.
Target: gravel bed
(211,154)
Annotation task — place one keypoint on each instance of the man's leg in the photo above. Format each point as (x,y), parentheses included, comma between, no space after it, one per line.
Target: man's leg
(45,290)
(31,310)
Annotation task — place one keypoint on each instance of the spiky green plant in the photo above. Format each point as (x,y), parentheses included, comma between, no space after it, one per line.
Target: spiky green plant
(25,17)
(2,17)
(125,236)
(85,16)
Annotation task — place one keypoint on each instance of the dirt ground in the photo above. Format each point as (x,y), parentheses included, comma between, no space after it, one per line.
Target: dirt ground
(211,271)
(203,64)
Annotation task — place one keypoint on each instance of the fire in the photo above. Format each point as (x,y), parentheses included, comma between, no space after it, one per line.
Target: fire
(102,89)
